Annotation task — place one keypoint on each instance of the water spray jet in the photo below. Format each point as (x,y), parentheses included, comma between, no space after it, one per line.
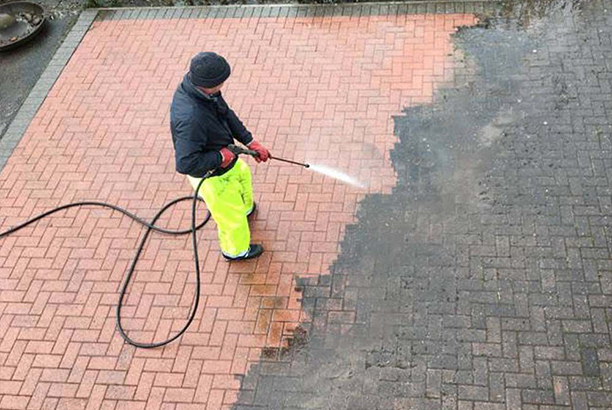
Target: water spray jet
(321,169)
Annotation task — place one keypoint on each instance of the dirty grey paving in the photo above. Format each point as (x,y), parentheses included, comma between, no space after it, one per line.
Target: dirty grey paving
(484,281)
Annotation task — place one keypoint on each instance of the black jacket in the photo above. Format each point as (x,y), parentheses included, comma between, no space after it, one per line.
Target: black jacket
(201,125)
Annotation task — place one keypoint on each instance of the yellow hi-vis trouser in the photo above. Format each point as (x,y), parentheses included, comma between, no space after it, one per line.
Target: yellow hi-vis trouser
(229,198)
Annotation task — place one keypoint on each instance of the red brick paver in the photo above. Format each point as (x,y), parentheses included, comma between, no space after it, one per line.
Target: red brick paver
(322,90)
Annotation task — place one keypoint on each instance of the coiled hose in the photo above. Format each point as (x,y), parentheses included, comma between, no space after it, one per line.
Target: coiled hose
(150,227)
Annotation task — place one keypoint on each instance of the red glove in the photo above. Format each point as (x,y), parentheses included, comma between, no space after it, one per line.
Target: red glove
(227,157)
(262,152)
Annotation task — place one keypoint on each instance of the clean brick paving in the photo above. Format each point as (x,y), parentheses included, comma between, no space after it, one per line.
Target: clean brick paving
(314,84)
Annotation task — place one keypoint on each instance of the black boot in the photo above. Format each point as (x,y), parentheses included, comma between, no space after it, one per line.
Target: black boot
(253,252)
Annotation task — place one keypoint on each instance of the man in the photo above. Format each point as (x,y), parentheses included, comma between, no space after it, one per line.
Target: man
(202,127)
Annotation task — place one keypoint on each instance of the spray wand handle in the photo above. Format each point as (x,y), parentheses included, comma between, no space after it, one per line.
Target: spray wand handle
(240,151)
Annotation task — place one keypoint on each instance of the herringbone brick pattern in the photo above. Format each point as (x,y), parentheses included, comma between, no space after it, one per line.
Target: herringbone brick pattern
(321,90)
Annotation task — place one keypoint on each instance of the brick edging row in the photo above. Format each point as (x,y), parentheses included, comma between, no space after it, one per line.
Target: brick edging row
(299,10)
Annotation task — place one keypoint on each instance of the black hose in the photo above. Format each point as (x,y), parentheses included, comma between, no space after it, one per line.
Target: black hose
(150,227)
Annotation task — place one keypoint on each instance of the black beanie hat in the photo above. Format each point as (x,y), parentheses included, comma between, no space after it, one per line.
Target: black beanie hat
(208,70)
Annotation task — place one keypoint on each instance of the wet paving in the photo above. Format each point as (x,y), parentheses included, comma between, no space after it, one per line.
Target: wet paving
(484,280)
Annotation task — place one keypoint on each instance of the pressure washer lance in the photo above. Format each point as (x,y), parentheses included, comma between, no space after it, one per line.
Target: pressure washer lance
(239,150)
(152,227)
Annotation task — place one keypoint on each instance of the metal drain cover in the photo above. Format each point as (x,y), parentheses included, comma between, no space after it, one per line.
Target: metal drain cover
(19,22)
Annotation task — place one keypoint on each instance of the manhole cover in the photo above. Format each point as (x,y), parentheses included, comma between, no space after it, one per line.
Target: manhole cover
(19,22)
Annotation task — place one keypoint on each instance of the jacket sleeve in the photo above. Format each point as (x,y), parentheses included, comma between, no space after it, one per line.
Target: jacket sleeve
(238,129)
(191,157)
